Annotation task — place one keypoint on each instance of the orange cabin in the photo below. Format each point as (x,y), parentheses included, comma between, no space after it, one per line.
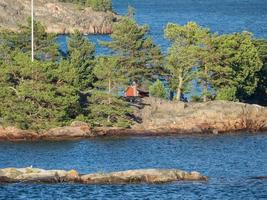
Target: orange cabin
(131,91)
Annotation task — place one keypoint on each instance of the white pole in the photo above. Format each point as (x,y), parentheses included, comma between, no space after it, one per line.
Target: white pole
(32,40)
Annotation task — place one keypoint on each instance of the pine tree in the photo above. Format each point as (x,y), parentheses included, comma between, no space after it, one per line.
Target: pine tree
(182,56)
(260,94)
(81,56)
(208,65)
(138,55)
(36,95)
(240,62)
(106,106)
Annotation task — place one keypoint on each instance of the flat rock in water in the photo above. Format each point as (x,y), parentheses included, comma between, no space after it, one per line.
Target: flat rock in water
(142,176)
(150,176)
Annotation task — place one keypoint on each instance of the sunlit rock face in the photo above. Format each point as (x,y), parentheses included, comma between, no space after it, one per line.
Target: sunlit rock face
(57,17)
(211,117)
(150,176)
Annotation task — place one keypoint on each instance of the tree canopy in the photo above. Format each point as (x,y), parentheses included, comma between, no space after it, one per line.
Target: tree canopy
(55,90)
(137,54)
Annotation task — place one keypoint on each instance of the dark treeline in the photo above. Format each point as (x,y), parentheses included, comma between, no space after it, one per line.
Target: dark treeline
(97,5)
(55,90)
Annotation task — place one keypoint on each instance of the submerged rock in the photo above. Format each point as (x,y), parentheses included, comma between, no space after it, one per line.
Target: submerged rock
(260,177)
(150,176)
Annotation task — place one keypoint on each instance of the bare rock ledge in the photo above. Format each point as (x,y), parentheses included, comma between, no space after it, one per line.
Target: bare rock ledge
(149,176)
(58,17)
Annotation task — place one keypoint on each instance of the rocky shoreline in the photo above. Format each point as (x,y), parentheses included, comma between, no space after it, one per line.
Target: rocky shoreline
(149,176)
(57,17)
(162,118)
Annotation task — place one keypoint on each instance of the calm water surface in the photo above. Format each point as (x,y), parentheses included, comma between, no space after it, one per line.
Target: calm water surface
(230,161)
(222,16)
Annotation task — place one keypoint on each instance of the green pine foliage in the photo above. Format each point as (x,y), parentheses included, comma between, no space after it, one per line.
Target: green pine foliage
(227,94)
(137,54)
(182,56)
(260,94)
(81,58)
(35,95)
(158,90)
(239,54)
(107,108)
(224,65)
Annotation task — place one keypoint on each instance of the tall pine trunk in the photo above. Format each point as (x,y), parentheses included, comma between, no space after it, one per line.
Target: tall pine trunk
(179,89)
(109,93)
(205,85)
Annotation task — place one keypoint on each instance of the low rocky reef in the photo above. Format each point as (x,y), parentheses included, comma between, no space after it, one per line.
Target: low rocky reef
(148,176)
(58,17)
(162,118)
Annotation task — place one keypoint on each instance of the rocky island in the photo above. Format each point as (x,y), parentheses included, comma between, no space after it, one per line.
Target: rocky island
(161,117)
(58,17)
(149,176)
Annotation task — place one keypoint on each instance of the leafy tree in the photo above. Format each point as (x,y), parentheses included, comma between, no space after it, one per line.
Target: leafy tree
(182,56)
(106,107)
(137,54)
(158,90)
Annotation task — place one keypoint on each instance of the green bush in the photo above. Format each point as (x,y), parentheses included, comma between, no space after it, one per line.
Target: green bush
(158,90)
(227,94)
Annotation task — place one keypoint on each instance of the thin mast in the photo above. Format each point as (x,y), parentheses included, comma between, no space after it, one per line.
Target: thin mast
(32,21)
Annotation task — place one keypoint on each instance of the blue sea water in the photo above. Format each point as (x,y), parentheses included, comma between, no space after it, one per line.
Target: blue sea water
(222,16)
(230,161)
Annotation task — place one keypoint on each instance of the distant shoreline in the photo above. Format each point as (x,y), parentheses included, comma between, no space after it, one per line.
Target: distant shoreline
(57,17)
